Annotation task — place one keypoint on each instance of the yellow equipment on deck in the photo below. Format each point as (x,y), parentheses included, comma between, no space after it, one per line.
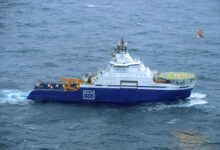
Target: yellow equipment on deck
(68,82)
(174,77)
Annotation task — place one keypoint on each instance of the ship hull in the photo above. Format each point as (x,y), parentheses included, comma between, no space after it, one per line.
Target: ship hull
(112,95)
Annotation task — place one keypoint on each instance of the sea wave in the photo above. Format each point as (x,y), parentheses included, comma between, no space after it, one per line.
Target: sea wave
(173,121)
(13,96)
(91,5)
(98,6)
(141,24)
(195,99)
(197,95)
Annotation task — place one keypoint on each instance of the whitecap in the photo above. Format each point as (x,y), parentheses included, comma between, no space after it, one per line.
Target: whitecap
(98,6)
(13,96)
(91,5)
(141,24)
(173,121)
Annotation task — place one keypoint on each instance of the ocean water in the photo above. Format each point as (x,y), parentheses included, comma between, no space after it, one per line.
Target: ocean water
(47,40)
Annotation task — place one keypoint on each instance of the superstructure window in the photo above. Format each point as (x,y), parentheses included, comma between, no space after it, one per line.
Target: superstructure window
(128,84)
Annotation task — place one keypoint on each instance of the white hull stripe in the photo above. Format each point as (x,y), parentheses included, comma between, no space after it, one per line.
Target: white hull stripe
(138,87)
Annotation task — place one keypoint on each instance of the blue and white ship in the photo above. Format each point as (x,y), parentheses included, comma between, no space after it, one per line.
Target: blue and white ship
(125,80)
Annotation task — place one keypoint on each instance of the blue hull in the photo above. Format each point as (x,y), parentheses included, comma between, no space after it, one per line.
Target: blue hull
(113,95)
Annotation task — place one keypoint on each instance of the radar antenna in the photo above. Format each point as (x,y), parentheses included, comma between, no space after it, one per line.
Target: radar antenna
(121,47)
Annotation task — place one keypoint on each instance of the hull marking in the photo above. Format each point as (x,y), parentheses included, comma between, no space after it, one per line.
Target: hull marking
(89,94)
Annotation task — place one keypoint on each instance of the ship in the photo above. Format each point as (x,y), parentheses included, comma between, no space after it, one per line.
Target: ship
(125,80)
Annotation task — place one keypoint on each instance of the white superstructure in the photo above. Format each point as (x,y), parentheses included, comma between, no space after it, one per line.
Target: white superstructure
(124,70)
(124,67)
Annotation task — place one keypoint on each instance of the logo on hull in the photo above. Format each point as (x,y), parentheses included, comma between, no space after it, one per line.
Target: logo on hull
(88,94)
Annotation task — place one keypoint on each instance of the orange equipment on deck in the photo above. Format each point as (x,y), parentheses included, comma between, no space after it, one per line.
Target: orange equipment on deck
(68,83)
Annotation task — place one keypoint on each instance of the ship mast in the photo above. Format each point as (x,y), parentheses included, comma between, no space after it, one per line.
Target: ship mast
(122,46)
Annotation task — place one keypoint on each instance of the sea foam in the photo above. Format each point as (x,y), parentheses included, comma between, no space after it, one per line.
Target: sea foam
(13,96)
(195,99)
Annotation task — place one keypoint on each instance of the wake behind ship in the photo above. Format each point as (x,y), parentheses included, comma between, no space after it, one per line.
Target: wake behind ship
(125,80)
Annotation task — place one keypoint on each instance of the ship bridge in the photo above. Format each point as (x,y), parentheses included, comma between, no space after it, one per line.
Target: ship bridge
(121,58)
(123,67)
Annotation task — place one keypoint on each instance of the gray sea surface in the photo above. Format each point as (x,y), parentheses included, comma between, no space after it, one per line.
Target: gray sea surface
(45,40)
